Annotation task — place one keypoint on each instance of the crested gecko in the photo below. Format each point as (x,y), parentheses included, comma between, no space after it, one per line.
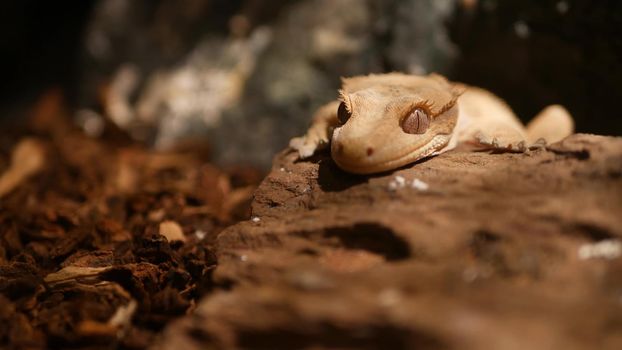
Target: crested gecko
(385,121)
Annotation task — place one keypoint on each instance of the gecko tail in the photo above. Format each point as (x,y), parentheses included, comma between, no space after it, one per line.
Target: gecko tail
(552,124)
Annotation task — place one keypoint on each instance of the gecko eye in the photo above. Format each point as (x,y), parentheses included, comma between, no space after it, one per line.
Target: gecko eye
(417,122)
(343,114)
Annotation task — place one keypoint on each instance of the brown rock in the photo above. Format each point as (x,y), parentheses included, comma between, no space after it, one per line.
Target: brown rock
(482,252)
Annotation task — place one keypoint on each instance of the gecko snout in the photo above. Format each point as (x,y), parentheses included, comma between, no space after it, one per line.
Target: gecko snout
(352,151)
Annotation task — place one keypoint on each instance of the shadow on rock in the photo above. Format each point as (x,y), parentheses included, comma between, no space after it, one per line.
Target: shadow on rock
(332,179)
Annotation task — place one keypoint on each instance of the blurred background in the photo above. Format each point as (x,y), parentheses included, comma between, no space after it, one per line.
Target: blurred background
(244,76)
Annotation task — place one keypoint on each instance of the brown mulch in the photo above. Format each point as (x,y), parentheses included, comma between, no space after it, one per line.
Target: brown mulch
(103,242)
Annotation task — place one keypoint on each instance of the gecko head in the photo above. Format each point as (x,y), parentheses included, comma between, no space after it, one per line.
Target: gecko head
(391,120)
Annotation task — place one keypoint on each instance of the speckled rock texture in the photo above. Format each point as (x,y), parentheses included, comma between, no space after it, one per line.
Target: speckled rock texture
(483,251)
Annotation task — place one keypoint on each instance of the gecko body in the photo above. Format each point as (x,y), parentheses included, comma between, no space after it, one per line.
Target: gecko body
(385,121)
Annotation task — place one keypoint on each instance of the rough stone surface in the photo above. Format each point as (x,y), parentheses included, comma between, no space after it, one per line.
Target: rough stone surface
(486,257)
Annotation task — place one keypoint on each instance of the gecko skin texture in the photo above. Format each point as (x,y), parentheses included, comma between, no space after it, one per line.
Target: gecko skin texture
(385,121)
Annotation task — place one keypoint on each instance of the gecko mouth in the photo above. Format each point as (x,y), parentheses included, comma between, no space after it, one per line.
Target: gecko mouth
(410,156)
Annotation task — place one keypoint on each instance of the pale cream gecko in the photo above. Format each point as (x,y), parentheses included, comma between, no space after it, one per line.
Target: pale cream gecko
(385,121)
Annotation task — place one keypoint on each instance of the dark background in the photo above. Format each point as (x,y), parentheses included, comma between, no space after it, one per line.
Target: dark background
(572,58)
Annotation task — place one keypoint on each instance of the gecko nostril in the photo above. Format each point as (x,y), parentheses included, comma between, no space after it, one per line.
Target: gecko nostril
(370,151)
(339,148)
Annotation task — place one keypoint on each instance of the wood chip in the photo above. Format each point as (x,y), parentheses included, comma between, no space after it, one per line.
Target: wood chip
(74,272)
(27,159)
(172,231)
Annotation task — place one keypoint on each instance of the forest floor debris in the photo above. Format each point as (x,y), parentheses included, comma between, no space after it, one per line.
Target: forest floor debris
(103,242)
